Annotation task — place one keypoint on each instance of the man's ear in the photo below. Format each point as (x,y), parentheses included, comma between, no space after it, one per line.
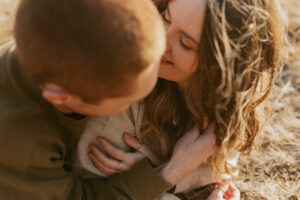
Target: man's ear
(55,94)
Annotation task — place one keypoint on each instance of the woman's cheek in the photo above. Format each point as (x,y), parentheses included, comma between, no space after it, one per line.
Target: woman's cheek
(180,59)
(187,63)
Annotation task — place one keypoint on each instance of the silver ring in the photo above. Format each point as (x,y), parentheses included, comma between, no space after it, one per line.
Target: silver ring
(119,164)
(139,146)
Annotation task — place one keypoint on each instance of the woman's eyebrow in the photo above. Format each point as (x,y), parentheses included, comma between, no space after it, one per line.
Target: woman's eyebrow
(184,33)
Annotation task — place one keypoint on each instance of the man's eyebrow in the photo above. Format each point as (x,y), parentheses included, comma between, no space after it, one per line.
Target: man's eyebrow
(189,37)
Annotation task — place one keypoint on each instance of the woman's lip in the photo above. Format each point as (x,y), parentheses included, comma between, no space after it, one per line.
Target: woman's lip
(163,61)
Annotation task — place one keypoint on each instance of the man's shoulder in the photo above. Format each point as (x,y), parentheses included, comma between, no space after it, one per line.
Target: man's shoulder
(6,50)
(14,100)
(8,59)
(8,45)
(21,112)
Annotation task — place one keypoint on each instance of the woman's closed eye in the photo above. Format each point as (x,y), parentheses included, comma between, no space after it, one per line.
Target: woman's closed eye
(183,44)
(166,18)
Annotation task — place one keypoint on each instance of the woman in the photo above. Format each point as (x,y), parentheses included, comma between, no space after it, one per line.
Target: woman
(220,64)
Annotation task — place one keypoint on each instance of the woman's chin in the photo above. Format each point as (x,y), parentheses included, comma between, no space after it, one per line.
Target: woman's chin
(164,76)
(167,78)
(165,72)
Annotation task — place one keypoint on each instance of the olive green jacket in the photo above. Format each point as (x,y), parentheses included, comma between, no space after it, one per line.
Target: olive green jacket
(37,142)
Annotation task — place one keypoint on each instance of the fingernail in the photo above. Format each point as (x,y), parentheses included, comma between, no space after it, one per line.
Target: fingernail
(127,135)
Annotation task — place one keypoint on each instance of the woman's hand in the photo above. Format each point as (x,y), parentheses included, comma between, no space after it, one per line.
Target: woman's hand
(189,153)
(225,191)
(119,160)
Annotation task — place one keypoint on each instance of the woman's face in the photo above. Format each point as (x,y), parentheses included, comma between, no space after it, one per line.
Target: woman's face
(183,21)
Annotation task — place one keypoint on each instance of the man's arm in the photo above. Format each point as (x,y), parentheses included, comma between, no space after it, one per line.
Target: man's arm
(32,167)
(140,182)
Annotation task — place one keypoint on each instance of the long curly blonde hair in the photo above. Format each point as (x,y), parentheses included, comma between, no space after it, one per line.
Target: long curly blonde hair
(238,59)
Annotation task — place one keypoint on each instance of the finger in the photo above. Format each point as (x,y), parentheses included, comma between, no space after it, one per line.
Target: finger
(219,191)
(128,160)
(211,128)
(205,123)
(232,187)
(107,162)
(227,195)
(111,150)
(131,141)
(100,166)
(209,135)
(216,195)
(207,139)
(235,193)
(144,149)
(193,133)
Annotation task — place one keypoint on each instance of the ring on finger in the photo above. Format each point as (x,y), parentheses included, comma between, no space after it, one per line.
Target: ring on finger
(119,164)
(139,146)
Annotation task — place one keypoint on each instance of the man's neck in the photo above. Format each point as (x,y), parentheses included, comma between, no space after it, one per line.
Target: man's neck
(66,111)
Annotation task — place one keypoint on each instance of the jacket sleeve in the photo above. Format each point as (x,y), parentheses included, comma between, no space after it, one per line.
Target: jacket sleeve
(33,167)
(140,182)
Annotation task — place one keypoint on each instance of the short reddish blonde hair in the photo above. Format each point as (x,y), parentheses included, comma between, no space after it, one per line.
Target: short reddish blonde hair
(93,49)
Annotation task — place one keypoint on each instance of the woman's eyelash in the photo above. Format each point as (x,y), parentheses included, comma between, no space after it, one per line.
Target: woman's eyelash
(165,18)
(183,45)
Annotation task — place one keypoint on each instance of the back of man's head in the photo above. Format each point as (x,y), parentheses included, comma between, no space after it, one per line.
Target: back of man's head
(91,48)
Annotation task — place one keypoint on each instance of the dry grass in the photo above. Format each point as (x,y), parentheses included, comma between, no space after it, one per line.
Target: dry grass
(273,172)
(7,8)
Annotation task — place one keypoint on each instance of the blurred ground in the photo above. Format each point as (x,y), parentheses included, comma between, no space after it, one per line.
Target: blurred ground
(273,172)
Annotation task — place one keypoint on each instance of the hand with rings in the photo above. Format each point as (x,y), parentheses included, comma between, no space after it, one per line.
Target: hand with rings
(225,190)
(119,160)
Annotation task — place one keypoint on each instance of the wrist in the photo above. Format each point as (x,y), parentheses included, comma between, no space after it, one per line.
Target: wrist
(172,173)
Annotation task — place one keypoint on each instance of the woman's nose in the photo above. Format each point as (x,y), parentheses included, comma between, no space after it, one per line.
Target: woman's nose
(168,29)
(168,48)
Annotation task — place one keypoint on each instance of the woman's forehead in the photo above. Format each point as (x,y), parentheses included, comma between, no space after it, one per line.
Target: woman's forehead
(188,15)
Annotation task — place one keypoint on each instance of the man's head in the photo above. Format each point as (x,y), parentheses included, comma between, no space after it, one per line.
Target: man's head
(94,57)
